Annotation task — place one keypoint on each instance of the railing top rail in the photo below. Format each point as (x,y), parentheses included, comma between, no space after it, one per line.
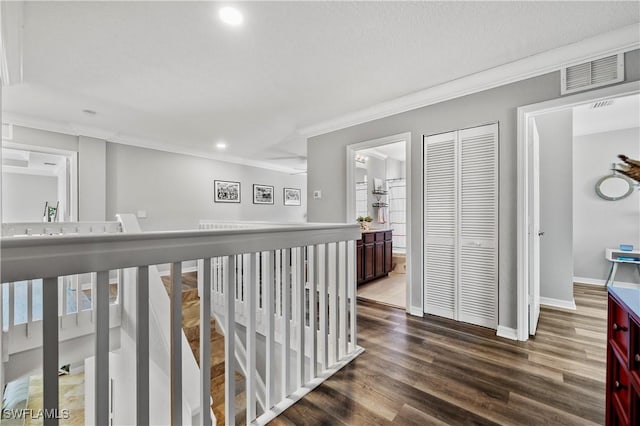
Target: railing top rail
(58,255)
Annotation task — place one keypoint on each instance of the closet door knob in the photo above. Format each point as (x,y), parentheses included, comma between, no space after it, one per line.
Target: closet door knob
(617,327)
(540,234)
(637,358)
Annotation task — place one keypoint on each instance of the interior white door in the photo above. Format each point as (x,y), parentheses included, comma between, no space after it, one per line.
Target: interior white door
(461,225)
(534,228)
(478,226)
(440,204)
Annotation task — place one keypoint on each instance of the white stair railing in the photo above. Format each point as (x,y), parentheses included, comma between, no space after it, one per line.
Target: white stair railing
(22,306)
(312,319)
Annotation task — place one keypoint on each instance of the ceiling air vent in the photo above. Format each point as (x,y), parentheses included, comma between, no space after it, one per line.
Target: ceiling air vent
(589,75)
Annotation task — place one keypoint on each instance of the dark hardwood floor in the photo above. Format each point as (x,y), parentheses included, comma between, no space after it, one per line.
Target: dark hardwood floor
(420,371)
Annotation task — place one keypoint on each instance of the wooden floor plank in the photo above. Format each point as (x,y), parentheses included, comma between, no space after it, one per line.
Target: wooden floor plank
(418,371)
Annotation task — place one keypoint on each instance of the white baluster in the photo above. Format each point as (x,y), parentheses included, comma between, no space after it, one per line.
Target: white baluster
(334,278)
(142,346)
(300,292)
(229,342)
(353,296)
(324,300)
(50,348)
(313,267)
(205,343)
(342,297)
(29,306)
(269,262)
(286,316)
(101,308)
(176,343)
(250,299)
(12,303)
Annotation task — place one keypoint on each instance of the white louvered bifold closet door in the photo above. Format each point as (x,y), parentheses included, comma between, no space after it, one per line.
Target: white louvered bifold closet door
(461,225)
(478,219)
(440,224)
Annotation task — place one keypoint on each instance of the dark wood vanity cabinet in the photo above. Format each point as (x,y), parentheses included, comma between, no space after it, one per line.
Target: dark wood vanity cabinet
(373,253)
(623,358)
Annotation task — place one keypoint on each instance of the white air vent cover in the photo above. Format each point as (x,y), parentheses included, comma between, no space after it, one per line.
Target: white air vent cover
(589,75)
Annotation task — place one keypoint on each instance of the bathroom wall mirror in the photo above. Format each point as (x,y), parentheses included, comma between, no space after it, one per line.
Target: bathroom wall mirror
(614,187)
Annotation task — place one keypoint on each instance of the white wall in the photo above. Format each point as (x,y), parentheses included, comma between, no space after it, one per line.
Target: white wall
(176,191)
(556,246)
(24,195)
(598,223)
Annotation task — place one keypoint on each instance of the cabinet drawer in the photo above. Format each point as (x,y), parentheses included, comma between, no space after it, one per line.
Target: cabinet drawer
(388,236)
(359,243)
(379,236)
(620,387)
(369,237)
(618,328)
(634,350)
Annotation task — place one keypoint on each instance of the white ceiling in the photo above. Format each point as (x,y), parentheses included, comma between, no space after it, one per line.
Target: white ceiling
(171,73)
(622,113)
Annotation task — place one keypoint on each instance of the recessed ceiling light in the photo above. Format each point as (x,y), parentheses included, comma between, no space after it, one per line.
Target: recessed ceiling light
(221,145)
(230,15)
(89,111)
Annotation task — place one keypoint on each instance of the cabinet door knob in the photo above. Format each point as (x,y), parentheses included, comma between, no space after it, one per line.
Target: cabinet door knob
(637,358)
(617,385)
(617,327)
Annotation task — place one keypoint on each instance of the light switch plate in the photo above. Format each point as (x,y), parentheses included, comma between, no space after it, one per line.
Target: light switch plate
(142,214)
(317,194)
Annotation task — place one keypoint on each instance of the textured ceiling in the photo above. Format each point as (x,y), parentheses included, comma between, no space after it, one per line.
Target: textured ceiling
(172,73)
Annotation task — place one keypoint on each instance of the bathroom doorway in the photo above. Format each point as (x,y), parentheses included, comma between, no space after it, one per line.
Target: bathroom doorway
(378,200)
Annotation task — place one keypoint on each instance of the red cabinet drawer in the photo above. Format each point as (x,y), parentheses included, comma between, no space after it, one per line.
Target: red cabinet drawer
(368,237)
(618,325)
(379,236)
(634,350)
(620,388)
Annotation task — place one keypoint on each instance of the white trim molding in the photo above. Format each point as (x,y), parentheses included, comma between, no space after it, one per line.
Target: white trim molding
(618,41)
(507,332)
(350,211)
(558,303)
(524,114)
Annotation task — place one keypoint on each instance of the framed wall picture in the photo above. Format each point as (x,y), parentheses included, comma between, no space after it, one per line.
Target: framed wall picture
(225,191)
(292,196)
(262,194)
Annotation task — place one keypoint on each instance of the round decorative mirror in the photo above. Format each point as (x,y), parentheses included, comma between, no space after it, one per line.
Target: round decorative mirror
(614,187)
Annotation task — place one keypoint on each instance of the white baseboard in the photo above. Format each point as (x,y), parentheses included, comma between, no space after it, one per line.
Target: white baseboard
(596,281)
(416,311)
(507,332)
(558,303)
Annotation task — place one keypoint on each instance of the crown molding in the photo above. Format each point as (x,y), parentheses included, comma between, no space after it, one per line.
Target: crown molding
(618,41)
(123,139)
(11,25)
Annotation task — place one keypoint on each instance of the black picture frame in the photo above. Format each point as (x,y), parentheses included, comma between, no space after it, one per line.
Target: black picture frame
(226,191)
(263,194)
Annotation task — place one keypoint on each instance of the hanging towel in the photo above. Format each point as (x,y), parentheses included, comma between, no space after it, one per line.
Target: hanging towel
(381,215)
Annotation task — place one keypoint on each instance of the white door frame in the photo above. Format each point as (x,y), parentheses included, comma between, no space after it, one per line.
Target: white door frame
(71,175)
(350,213)
(525,113)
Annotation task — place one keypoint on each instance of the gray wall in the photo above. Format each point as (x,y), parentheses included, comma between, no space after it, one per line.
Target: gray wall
(176,191)
(556,195)
(24,195)
(598,223)
(395,169)
(499,104)
(93,184)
